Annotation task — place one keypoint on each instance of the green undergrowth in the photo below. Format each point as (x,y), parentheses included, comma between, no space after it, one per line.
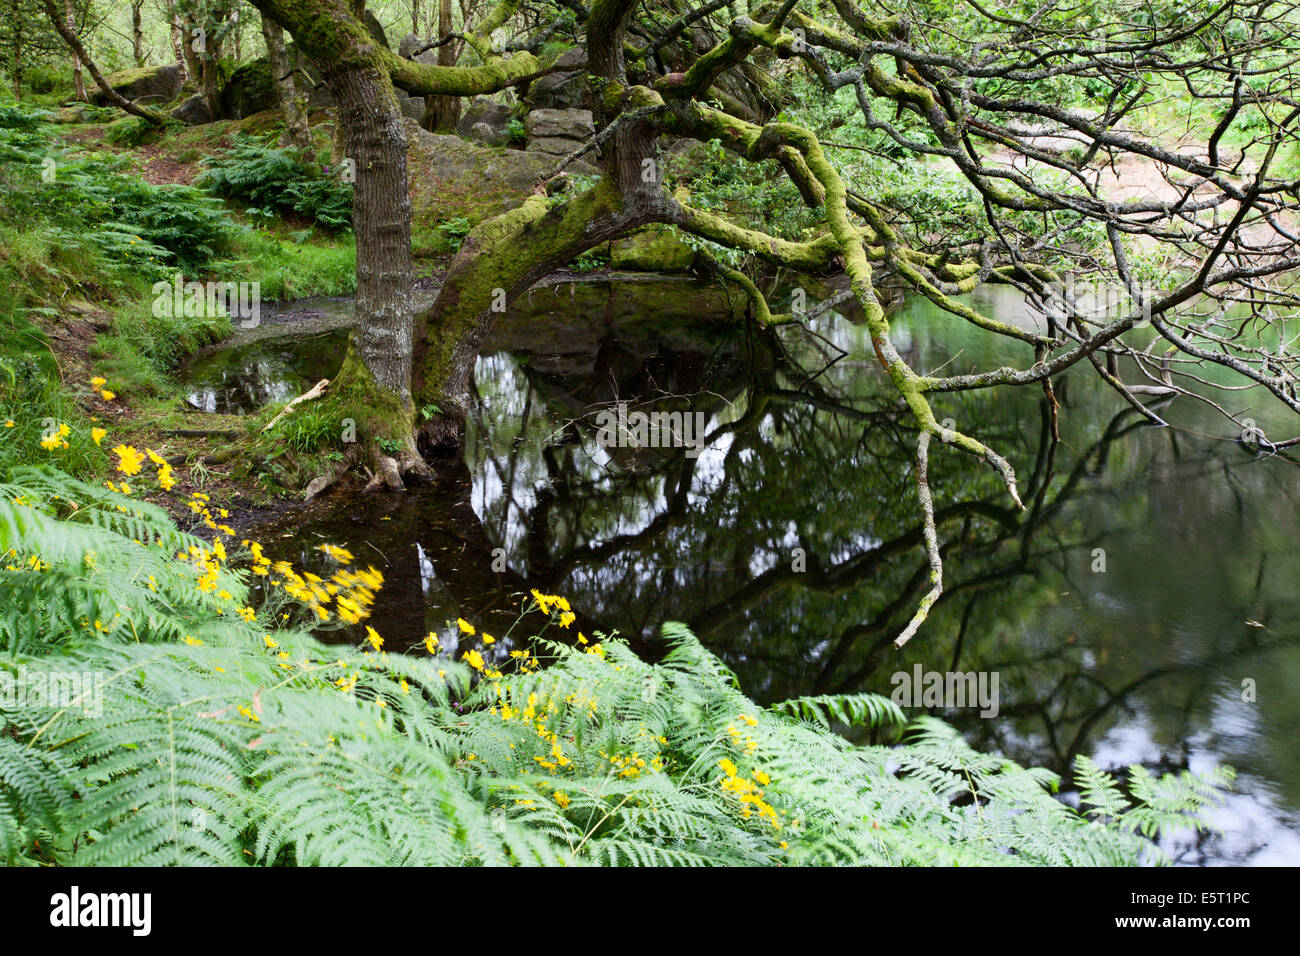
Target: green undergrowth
(83,240)
(187,721)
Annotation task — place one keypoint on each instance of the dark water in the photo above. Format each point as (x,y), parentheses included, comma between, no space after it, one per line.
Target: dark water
(791,542)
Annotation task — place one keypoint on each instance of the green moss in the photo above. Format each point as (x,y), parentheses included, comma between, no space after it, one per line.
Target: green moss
(653,249)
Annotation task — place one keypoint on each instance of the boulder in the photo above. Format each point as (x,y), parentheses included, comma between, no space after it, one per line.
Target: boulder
(250,90)
(410,43)
(488,112)
(375,27)
(570,124)
(193,111)
(451,178)
(566,88)
(553,146)
(485,134)
(163,82)
(412,106)
(653,249)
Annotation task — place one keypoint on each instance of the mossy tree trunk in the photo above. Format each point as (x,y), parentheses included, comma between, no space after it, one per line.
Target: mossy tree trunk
(193,67)
(293,106)
(78,82)
(505,256)
(137,32)
(375,381)
(444,111)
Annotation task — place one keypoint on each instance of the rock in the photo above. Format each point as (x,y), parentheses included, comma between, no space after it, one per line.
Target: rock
(193,112)
(451,178)
(553,146)
(159,81)
(565,89)
(320,97)
(487,111)
(410,43)
(571,124)
(375,27)
(412,106)
(72,114)
(250,90)
(485,134)
(653,249)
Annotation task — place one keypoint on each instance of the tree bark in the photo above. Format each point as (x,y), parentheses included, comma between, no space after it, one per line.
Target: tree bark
(78,84)
(443,112)
(210,63)
(293,106)
(137,32)
(193,66)
(178,40)
(374,384)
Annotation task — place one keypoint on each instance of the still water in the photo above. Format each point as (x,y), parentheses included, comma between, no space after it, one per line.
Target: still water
(1144,607)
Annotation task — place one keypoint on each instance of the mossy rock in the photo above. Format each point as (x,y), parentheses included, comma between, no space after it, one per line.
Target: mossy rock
(653,249)
(160,82)
(453,179)
(250,90)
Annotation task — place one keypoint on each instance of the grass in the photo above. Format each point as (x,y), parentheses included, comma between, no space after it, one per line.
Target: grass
(323,265)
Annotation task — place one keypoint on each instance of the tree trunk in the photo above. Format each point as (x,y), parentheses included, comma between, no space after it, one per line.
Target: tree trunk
(178,41)
(211,75)
(374,385)
(78,84)
(293,106)
(193,67)
(443,112)
(137,32)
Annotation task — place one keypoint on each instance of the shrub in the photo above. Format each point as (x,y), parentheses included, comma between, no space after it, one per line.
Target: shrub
(270,178)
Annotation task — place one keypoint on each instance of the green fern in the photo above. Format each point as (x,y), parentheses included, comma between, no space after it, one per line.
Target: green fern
(220,740)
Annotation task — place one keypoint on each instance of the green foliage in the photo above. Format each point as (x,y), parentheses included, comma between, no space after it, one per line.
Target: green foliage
(307,430)
(293,269)
(454,231)
(88,203)
(190,735)
(133,131)
(16,117)
(269,177)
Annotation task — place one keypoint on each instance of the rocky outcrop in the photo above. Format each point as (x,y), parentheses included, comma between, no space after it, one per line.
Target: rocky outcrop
(652,249)
(155,84)
(411,106)
(249,90)
(451,178)
(485,121)
(375,27)
(556,133)
(567,88)
(193,111)
(410,43)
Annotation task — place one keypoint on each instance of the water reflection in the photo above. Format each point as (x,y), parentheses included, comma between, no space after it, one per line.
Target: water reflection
(1151,574)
